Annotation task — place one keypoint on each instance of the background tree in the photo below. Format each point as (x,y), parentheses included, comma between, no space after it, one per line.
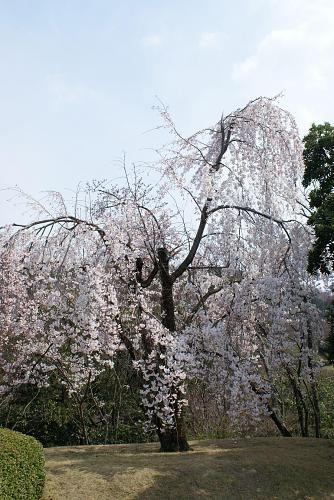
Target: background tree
(319,174)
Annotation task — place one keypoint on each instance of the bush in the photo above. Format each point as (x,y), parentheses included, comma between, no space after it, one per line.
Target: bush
(111,410)
(45,413)
(21,466)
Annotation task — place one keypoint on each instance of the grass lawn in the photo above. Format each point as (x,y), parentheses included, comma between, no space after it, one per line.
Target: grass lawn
(266,468)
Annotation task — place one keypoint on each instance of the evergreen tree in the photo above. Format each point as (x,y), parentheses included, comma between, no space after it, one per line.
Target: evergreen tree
(319,174)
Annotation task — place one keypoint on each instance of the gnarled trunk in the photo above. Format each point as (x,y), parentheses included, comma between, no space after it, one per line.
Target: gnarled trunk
(174,438)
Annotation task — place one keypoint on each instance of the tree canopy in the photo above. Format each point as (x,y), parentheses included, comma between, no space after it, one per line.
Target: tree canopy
(223,298)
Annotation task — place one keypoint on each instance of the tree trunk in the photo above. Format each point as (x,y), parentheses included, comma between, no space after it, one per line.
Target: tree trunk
(279,423)
(273,415)
(314,388)
(167,299)
(300,404)
(172,439)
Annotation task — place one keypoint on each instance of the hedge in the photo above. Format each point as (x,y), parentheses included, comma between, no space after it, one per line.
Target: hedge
(21,466)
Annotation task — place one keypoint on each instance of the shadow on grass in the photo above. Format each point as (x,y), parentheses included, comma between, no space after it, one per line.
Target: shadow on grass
(238,469)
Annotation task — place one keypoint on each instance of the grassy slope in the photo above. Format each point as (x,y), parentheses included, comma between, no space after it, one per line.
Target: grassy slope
(264,468)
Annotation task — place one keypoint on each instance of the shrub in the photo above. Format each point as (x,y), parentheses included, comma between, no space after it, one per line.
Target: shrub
(111,411)
(21,466)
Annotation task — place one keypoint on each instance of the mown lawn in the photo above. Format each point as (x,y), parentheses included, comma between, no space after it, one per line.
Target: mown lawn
(267,468)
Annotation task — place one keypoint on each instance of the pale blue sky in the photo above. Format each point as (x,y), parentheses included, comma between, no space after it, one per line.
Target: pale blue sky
(78,78)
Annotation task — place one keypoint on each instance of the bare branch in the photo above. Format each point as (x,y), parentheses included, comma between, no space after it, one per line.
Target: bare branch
(211,291)
(194,247)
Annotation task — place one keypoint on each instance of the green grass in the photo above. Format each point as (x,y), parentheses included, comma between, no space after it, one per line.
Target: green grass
(267,468)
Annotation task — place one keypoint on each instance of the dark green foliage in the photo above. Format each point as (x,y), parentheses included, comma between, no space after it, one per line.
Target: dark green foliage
(109,412)
(21,466)
(328,348)
(45,413)
(319,173)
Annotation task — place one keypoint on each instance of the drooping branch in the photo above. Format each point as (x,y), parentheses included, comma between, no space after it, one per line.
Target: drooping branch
(205,214)
(64,219)
(280,222)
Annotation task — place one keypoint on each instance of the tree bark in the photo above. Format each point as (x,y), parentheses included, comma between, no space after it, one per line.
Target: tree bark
(279,424)
(314,388)
(300,404)
(273,415)
(172,439)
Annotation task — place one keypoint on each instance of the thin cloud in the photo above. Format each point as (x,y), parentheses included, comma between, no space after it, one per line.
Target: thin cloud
(64,91)
(208,40)
(299,52)
(296,59)
(153,40)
